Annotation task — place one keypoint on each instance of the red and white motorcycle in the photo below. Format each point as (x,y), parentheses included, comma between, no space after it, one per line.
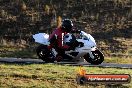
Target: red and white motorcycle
(86,49)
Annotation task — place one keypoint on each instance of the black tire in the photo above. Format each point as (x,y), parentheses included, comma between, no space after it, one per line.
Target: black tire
(99,57)
(44,54)
(81,80)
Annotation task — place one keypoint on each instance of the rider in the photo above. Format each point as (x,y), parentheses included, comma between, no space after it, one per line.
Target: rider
(56,38)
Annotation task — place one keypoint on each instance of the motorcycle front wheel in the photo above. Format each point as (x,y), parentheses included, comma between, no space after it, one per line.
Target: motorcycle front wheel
(44,54)
(98,57)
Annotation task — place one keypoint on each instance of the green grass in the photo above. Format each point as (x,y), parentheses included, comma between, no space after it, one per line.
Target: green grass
(18,52)
(122,60)
(51,76)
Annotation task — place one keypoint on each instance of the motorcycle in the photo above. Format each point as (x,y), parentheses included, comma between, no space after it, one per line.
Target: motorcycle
(85,48)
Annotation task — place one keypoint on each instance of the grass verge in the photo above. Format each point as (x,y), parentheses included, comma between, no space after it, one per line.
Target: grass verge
(122,60)
(51,76)
(18,52)
(30,52)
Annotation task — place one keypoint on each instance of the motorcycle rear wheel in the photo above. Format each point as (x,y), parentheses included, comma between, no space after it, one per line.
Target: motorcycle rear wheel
(99,57)
(44,54)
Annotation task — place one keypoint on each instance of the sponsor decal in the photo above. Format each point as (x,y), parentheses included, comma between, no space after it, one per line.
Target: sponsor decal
(83,78)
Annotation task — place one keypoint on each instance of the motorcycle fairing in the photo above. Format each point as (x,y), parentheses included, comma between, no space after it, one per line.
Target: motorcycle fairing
(41,38)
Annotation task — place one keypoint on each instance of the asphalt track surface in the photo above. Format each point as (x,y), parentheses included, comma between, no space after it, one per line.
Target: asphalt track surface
(38,61)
